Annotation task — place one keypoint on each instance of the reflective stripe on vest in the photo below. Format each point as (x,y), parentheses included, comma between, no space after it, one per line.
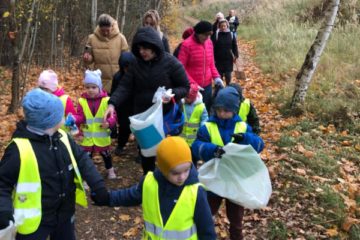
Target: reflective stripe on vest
(192,124)
(94,134)
(244,109)
(180,224)
(63,99)
(215,137)
(27,194)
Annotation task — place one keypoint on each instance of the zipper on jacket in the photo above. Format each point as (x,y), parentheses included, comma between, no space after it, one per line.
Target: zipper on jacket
(204,70)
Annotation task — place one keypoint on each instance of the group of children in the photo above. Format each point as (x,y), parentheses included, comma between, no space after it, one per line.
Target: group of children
(175,205)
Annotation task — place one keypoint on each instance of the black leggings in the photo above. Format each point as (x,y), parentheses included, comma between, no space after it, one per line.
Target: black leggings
(123,112)
(106,155)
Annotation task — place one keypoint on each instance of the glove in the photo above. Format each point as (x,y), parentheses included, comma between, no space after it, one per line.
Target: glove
(5,218)
(101,197)
(219,82)
(238,137)
(70,120)
(219,151)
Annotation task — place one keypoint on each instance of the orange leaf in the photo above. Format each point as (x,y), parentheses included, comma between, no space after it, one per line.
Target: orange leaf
(349,221)
(332,232)
(124,217)
(346,143)
(131,232)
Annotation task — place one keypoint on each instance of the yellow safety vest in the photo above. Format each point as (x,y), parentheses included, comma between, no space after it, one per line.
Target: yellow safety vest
(192,124)
(180,225)
(27,194)
(244,109)
(63,99)
(215,137)
(94,134)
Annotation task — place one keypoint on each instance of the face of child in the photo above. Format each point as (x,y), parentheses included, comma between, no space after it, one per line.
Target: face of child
(189,100)
(146,53)
(105,31)
(92,90)
(179,174)
(149,22)
(45,89)
(222,113)
(223,26)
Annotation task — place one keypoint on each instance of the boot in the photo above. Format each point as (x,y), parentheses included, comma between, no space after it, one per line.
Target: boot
(111,173)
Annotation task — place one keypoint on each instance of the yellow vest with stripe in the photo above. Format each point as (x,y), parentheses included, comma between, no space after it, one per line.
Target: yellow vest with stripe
(94,134)
(27,194)
(63,100)
(192,124)
(215,137)
(180,225)
(244,109)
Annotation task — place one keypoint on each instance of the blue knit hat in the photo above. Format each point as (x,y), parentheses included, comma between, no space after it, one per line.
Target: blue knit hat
(42,110)
(93,77)
(227,98)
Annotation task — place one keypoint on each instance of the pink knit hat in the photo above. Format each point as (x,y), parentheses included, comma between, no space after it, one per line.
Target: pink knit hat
(194,89)
(48,79)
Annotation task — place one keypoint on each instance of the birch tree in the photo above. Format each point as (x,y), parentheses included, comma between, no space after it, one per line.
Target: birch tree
(312,58)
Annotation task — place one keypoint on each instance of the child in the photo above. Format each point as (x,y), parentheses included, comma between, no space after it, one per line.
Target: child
(124,110)
(187,33)
(48,81)
(195,115)
(223,127)
(41,173)
(247,111)
(174,203)
(90,114)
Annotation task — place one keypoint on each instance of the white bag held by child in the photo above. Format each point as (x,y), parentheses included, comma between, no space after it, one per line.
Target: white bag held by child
(240,176)
(147,126)
(8,233)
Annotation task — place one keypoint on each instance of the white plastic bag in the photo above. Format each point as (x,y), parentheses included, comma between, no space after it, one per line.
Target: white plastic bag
(8,233)
(147,126)
(240,176)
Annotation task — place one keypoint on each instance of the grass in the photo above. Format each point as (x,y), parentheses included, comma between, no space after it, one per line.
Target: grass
(277,230)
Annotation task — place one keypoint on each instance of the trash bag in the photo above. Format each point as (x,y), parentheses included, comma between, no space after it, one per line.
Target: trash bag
(8,233)
(147,128)
(240,176)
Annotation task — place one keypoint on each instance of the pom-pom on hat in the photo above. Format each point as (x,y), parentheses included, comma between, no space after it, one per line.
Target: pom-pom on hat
(93,77)
(42,110)
(171,152)
(48,79)
(203,27)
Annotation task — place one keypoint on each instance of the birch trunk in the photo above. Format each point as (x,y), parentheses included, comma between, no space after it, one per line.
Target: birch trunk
(312,58)
(123,16)
(93,13)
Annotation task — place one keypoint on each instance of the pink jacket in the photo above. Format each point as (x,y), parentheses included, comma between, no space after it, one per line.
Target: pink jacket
(198,61)
(69,107)
(94,104)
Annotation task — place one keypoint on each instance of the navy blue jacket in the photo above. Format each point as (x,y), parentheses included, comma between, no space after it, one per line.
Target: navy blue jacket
(168,194)
(202,147)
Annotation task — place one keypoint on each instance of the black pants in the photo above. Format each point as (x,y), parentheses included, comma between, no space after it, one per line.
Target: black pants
(106,155)
(147,164)
(123,112)
(64,230)
(227,76)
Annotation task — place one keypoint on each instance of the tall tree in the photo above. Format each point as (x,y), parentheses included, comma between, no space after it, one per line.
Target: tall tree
(312,58)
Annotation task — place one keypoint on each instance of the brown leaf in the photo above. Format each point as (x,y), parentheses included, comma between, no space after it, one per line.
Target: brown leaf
(346,143)
(320,179)
(131,232)
(300,171)
(332,232)
(309,154)
(349,221)
(124,217)
(357,147)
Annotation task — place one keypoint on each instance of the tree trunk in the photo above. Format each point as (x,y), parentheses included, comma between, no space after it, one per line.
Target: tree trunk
(312,58)
(93,13)
(123,16)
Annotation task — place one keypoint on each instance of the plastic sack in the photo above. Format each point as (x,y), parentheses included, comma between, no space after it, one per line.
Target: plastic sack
(147,127)
(240,176)
(8,233)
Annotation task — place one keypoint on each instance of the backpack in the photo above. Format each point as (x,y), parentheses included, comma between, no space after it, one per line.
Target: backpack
(174,120)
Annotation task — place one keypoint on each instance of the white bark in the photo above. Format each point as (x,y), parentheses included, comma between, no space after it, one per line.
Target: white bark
(312,58)
(93,13)
(123,16)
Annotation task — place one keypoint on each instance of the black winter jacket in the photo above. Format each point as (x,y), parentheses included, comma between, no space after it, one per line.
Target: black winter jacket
(225,49)
(144,77)
(56,173)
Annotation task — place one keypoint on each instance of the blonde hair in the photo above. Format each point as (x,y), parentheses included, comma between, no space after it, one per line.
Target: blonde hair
(154,15)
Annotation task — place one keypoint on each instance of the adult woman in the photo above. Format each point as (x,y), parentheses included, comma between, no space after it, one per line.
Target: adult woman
(152,68)
(104,48)
(152,19)
(197,56)
(225,50)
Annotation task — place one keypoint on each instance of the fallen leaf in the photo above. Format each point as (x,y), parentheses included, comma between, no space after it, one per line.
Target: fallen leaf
(124,217)
(332,232)
(309,154)
(357,147)
(301,171)
(349,221)
(320,179)
(346,143)
(131,232)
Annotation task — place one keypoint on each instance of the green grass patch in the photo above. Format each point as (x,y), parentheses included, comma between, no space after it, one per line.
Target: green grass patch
(207,12)
(277,230)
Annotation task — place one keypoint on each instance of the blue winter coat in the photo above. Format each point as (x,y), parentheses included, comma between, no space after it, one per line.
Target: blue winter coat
(202,147)
(168,196)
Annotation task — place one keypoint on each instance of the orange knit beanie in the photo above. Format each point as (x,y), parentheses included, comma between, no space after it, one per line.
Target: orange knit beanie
(171,152)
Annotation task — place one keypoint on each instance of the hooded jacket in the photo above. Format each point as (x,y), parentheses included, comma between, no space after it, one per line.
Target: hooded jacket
(198,61)
(57,181)
(106,52)
(144,77)
(168,194)
(126,58)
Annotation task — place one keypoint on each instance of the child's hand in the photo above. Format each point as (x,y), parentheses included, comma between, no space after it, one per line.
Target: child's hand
(105,125)
(219,152)
(238,137)
(100,197)
(70,120)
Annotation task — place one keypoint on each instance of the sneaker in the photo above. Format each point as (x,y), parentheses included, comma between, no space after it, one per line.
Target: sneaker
(111,173)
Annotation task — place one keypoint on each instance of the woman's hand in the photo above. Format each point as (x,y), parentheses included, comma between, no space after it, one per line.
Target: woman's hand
(109,113)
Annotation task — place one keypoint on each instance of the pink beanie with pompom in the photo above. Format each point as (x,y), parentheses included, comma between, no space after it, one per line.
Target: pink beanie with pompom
(48,79)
